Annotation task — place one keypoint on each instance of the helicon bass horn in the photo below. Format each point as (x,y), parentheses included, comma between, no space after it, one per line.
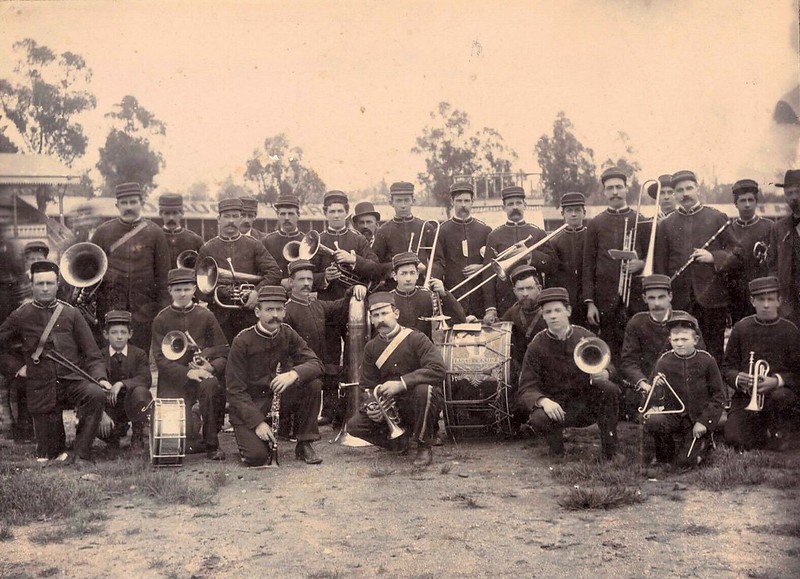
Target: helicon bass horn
(592,355)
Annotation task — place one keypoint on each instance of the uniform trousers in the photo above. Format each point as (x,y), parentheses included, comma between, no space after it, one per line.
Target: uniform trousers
(746,429)
(302,401)
(418,412)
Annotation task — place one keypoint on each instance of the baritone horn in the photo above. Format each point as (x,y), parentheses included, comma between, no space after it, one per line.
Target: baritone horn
(176,343)
(758,369)
(592,355)
(210,277)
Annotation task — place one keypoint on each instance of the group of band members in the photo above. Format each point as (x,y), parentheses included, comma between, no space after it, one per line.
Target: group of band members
(254,345)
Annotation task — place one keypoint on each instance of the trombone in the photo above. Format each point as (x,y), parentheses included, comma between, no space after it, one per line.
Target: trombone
(758,369)
(210,276)
(437,314)
(660,378)
(651,245)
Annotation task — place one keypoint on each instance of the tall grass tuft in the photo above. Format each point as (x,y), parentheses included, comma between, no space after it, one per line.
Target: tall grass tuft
(601,497)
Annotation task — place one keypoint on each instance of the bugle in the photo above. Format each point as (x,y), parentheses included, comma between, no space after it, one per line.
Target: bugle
(591,355)
(705,246)
(210,277)
(645,410)
(758,369)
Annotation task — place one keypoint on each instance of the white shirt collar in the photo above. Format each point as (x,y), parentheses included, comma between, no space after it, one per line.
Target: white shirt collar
(112,351)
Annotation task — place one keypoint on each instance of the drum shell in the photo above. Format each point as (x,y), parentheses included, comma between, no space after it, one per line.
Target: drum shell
(168,432)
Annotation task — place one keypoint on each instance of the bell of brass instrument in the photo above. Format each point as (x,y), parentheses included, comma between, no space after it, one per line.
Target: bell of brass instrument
(592,355)
(758,369)
(308,247)
(175,345)
(389,412)
(187,259)
(210,277)
(647,410)
(83,266)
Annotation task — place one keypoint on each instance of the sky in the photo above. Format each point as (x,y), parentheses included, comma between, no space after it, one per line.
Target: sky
(692,83)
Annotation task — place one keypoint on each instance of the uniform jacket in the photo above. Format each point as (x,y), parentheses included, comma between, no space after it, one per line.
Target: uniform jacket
(71,337)
(134,372)
(783,258)
(697,380)
(416,360)
(394,237)
(275,242)
(179,241)
(524,327)
(418,303)
(252,362)
(748,235)
(308,319)
(567,268)
(366,268)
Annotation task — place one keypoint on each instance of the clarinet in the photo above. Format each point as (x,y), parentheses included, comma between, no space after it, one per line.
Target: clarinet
(275,419)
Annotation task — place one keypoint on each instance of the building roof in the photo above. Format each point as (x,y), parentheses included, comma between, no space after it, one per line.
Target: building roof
(19,169)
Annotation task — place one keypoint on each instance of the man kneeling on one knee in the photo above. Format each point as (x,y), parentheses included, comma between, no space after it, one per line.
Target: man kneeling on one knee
(554,392)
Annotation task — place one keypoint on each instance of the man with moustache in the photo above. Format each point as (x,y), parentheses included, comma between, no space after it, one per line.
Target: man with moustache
(366,220)
(701,289)
(403,366)
(249,214)
(605,307)
(240,254)
(498,295)
(287,208)
(266,360)
(179,239)
(138,262)
(753,233)
(784,248)
(459,252)
(567,266)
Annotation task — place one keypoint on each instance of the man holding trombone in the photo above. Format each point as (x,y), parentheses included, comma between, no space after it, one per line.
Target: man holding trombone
(761,365)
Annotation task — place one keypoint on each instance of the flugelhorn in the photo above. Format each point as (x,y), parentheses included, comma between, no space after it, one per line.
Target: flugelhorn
(389,412)
(210,277)
(592,355)
(307,247)
(758,369)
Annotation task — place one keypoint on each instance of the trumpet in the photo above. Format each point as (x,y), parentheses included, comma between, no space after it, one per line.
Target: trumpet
(209,276)
(389,412)
(758,369)
(175,345)
(660,378)
(83,266)
(187,259)
(307,247)
(592,355)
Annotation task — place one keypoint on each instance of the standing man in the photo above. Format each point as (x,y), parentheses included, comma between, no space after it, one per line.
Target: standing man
(498,295)
(753,233)
(667,202)
(249,214)
(784,248)
(402,367)
(287,208)
(266,360)
(366,220)
(138,262)
(605,305)
(179,239)
(567,268)
(239,254)
(461,246)
(41,328)
(701,237)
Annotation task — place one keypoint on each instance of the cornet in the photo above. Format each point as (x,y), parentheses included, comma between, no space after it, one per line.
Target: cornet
(389,412)
(758,369)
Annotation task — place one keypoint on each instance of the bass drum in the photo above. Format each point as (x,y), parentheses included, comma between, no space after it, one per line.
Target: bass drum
(476,389)
(168,432)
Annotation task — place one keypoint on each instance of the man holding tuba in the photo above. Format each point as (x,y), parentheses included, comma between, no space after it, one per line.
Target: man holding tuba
(403,371)
(554,392)
(762,347)
(190,351)
(179,239)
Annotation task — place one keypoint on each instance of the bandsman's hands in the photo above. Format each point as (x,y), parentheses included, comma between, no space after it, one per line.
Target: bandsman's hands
(553,410)
(592,314)
(252,300)
(106,425)
(264,432)
(341,256)
(198,375)
(282,381)
(22,372)
(471,269)
(702,256)
(389,388)
(490,317)
(635,265)
(203,365)
(699,430)
(332,273)
(437,285)
(603,375)
(105,385)
(114,392)
(359,292)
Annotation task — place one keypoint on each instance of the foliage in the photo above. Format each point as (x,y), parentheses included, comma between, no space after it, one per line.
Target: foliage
(6,144)
(451,148)
(278,169)
(128,154)
(600,497)
(566,164)
(228,189)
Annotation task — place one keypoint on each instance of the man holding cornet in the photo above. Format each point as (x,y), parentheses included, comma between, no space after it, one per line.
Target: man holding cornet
(403,372)
(762,347)
(554,392)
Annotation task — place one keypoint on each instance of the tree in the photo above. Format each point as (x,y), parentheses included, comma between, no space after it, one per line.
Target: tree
(278,169)
(128,154)
(566,164)
(42,101)
(228,189)
(452,149)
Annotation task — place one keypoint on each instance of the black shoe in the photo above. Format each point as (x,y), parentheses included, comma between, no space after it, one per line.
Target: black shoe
(424,456)
(215,454)
(304,451)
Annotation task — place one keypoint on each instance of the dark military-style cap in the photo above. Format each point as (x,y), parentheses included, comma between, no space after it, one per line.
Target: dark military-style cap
(792,177)
(655,282)
(181,275)
(684,175)
(514,191)
(288,201)
(744,186)
(401,188)
(553,294)
(42,266)
(404,258)
(380,299)
(573,199)
(613,173)
(335,197)
(763,285)
(683,320)
(36,247)
(117,317)
(232,204)
(170,201)
(665,181)
(365,208)
(271,293)
(523,271)
(461,187)
(249,204)
(127,189)
(300,265)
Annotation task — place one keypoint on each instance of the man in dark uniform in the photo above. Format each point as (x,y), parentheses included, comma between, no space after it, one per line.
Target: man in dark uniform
(553,392)
(45,326)
(128,370)
(606,308)
(138,262)
(567,267)
(179,239)
(366,220)
(753,233)
(498,295)
(666,201)
(460,250)
(763,336)
(287,208)
(784,248)
(249,215)
(266,360)
(196,375)
(239,254)
(701,289)
(34,251)
(403,366)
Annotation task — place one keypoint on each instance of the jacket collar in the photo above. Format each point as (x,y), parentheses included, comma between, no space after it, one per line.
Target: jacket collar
(469,219)
(180,310)
(397,219)
(620,211)
(691,211)
(234,238)
(510,223)
(264,333)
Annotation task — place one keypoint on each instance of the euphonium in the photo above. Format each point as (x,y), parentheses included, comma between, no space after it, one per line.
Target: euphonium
(389,412)
(758,369)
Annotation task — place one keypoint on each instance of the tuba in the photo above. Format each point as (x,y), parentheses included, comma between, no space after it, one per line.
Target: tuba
(210,277)
(83,266)
(356,338)
(758,369)
(592,355)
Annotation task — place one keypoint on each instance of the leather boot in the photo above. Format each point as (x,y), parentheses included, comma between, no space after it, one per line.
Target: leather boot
(304,451)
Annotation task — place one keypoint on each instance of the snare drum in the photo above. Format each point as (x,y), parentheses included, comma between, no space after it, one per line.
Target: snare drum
(168,432)
(476,390)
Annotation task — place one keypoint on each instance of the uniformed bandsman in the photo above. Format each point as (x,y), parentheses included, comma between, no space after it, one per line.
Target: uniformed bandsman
(784,248)
(667,203)
(525,315)
(179,239)
(461,247)
(567,266)
(249,215)
(287,208)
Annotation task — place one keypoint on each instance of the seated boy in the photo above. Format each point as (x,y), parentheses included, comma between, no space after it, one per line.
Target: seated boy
(128,370)
(694,376)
